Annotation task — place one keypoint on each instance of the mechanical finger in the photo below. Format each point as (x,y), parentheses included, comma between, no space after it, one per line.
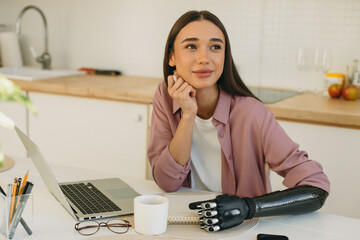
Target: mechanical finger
(213,228)
(202,204)
(208,213)
(209,221)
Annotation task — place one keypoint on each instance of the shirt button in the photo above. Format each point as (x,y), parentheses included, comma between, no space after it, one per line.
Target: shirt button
(231,157)
(221,134)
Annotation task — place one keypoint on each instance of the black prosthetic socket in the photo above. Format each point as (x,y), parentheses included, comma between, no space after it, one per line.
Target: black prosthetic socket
(297,200)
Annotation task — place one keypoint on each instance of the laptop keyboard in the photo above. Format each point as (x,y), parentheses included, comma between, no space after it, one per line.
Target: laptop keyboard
(88,199)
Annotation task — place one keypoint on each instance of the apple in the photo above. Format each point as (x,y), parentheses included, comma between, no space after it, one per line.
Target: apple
(350,92)
(335,90)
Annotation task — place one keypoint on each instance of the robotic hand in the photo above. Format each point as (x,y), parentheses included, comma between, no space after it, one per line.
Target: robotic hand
(223,212)
(227,211)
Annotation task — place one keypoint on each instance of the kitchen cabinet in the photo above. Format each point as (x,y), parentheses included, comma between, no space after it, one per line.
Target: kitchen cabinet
(89,133)
(10,142)
(337,150)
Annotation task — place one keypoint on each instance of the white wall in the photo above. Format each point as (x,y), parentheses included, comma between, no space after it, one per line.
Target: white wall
(130,34)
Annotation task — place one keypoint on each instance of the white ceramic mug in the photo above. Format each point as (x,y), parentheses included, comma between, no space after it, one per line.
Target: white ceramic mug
(150,214)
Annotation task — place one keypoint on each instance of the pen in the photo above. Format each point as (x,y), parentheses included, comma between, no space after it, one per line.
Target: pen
(18,186)
(26,187)
(16,182)
(29,188)
(22,221)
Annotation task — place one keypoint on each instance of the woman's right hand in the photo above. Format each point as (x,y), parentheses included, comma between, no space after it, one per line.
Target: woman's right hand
(184,94)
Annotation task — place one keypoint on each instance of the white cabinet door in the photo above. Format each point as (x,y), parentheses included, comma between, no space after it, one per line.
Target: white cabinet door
(10,142)
(149,169)
(338,151)
(108,136)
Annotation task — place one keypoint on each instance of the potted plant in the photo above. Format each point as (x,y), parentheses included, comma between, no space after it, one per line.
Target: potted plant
(10,92)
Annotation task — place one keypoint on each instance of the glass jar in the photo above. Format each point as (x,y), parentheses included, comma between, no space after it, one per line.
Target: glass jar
(333,78)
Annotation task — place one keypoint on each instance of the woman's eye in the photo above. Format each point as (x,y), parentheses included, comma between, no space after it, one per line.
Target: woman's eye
(216,47)
(190,46)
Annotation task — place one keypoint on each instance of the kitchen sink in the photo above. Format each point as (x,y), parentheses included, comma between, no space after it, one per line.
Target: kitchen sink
(267,95)
(31,73)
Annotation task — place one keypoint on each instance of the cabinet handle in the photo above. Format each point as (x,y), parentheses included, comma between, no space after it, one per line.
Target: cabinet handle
(137,117)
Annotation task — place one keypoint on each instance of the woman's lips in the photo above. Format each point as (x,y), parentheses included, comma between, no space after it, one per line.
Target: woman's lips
(203,73)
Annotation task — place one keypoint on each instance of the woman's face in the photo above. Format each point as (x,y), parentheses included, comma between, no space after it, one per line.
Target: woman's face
(199,53)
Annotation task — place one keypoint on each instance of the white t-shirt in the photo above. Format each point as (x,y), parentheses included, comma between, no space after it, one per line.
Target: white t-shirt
(206,157)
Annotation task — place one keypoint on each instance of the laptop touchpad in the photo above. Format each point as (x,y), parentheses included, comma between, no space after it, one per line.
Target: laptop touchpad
(120,193)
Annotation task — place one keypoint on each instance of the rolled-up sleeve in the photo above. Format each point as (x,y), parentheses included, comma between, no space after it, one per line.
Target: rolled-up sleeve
(167,173)
(285,158)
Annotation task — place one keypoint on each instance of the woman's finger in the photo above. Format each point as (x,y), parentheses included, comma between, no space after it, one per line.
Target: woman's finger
(193,92)
(188,91)
(182,86)
(170,81)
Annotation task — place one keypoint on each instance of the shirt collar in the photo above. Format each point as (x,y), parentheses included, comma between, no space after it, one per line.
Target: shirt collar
(222,110)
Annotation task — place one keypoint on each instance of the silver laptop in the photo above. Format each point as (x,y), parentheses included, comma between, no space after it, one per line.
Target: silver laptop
(80,198)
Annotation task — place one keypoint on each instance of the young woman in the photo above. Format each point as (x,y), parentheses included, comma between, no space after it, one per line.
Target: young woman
(209,132)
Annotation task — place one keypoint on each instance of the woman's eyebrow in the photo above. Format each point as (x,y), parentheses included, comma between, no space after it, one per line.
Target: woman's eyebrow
(216,40)
(192,39)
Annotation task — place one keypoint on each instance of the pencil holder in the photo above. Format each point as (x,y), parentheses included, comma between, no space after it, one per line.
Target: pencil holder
(16,217)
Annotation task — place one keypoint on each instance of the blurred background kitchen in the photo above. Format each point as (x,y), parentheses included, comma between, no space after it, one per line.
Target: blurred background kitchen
(287,44)
(267,36)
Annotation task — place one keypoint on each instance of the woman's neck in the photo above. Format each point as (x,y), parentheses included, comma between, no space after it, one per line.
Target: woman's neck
(207,100)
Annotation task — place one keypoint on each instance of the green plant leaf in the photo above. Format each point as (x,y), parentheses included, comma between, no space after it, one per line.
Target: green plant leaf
(10,92)
(2,157)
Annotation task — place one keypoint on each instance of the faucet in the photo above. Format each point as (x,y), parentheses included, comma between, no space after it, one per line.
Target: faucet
(45,58)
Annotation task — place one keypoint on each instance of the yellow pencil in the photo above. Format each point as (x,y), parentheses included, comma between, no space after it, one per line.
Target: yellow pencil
(23,182)
(12,202)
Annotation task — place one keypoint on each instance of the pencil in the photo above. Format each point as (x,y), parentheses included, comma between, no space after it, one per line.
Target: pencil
(24,182)
(12,202)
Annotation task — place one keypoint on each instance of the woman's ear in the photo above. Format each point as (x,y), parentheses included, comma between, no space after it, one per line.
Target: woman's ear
(172,60)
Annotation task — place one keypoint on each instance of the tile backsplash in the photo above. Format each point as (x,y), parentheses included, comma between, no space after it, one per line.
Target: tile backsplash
(130,35)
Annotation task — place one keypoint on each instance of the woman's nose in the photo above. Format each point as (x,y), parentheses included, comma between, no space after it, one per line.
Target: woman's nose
(203,56)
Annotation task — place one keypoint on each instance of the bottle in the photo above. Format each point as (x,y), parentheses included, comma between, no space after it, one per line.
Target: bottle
(356,76)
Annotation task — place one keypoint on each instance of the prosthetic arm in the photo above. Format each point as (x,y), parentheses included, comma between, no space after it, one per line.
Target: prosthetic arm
(227,211)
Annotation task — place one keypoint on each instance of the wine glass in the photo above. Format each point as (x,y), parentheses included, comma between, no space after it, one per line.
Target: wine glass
(300,60)
(300,63)
(325,65)
(317,59)
(326,61)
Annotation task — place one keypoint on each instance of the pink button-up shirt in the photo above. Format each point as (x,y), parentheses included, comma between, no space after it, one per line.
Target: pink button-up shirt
(249,137)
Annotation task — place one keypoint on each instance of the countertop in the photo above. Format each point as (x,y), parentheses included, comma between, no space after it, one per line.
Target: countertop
(305,107)
(118,88)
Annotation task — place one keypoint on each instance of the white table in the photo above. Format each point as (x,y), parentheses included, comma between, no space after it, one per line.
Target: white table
(52,221)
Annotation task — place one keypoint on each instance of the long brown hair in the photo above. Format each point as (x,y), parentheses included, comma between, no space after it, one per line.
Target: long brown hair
(229,80)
